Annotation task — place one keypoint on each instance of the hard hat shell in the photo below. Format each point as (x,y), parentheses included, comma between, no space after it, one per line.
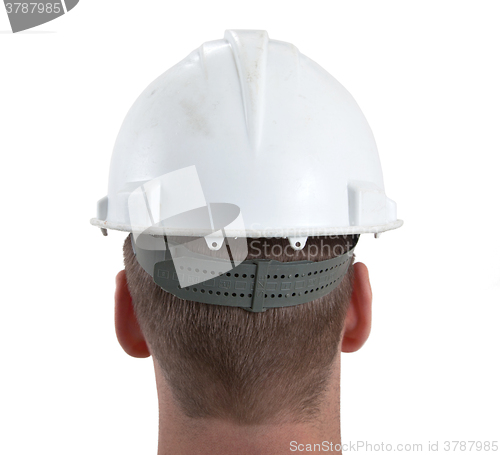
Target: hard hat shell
(267,130)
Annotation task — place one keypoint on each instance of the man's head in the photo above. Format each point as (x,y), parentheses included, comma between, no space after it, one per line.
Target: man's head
(248,122)
(248,368)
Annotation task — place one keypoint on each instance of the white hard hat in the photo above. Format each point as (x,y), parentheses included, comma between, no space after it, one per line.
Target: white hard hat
(267,129)
(254,124)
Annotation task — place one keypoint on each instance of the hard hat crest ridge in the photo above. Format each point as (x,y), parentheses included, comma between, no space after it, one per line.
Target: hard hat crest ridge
(249,49)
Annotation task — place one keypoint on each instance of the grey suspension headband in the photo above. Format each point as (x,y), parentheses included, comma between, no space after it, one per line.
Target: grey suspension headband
(254,285)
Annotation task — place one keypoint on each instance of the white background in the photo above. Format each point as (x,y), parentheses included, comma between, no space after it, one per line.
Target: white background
(426,74)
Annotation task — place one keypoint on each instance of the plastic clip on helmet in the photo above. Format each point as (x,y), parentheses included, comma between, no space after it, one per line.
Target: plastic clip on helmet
(245,137)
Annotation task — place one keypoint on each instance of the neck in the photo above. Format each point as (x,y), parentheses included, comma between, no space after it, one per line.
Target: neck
(181,435)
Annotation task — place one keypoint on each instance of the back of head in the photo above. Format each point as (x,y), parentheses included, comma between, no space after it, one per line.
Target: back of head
(250,368)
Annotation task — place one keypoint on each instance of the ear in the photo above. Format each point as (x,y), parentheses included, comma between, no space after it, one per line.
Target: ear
(127,328)
(358,320)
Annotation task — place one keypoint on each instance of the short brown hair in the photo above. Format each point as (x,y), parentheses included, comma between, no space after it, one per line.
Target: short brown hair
(249,368)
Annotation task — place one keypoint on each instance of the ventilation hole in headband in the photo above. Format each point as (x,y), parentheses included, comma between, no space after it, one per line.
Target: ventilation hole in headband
(280,295)
(189,269)
(214,244)
(265,296)
(194,289)
(321,271)
(287,295)
(305,292)
(202,290)
(268,276)
(218,292)
(297,244)
(317,289)
(293,294)
(249,295)
(275,276)
(210,291)
(303,274)
(204,271)
(228,274)
(272,296)
(187,288)
(236,275)
(196,270)
(226,293)
(242,295)
(322,287)
(309,274)
(296,275)
(244,275)
(252,276)
(212,272)
(315,272)
(182,267)
(282,276)
(234,294)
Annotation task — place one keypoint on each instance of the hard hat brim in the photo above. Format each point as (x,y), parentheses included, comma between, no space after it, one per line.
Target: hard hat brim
(255,233)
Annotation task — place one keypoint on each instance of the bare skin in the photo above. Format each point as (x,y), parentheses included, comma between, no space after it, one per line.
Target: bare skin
(180,435)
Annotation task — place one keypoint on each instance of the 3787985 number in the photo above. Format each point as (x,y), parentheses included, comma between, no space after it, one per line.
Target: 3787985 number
(33,8)
(471,446)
